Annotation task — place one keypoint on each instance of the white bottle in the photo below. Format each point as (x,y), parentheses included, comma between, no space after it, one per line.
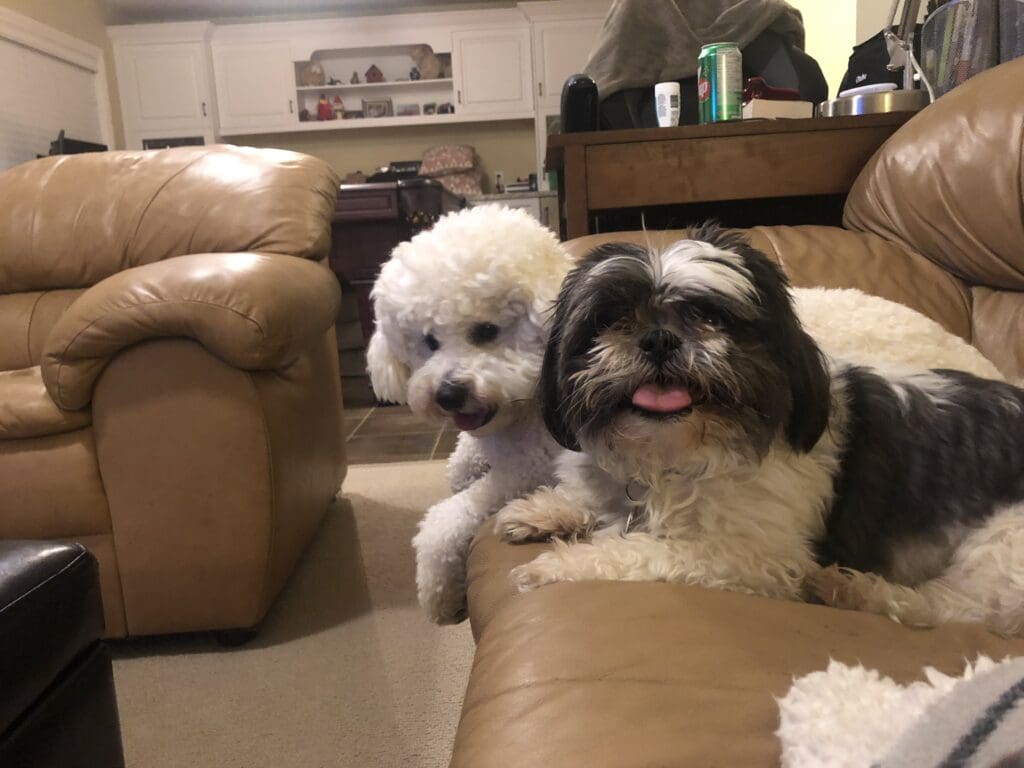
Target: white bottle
(666,101)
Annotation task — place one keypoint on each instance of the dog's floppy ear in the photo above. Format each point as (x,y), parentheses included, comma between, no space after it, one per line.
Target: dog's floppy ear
(809,381)
(389,376)
(549,387)
(809,386)
(550,397)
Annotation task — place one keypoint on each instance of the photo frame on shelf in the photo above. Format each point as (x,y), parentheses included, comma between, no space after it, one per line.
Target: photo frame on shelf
(378,108)
(407,110)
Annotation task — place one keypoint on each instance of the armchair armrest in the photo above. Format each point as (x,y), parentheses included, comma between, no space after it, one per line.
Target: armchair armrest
(253,311)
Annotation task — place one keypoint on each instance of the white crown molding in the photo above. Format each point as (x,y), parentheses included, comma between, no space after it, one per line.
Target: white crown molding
(37,36)
(163,32)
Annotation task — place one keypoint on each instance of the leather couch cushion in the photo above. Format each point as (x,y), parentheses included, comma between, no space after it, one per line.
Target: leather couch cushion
(50,611)
(834,258)
(59,233)
(949,183)
(998,322)
(25,321)
(625,675)
(52,487)
(27,410)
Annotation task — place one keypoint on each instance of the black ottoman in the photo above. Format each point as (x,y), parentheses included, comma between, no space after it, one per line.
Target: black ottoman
(58,706)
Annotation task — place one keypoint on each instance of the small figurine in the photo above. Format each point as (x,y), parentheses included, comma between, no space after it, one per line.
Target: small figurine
(312,74)
(323,109)
(334,81)
(414,73)
(338,107)
(374,75)
(354,79)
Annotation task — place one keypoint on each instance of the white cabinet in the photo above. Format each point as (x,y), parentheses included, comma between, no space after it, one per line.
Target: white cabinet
(491,69)
(560,49)
(165,81)
(164,85)
(255,86)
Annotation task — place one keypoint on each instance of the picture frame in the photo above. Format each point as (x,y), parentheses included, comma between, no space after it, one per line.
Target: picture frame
(378,108)
(407,110)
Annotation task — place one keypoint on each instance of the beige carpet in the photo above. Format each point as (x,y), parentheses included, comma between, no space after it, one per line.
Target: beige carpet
(345,672)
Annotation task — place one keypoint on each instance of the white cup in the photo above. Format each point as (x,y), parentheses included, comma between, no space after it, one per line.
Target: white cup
(666,102)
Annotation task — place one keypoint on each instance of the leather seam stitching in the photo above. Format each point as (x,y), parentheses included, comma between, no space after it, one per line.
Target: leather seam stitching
(28,330)
(156,194)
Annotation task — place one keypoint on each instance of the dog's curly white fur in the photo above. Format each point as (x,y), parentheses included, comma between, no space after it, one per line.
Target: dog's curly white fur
(461,322)
(751,463)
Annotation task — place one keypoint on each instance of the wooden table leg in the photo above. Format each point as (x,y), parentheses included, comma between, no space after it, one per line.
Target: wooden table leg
(577,213)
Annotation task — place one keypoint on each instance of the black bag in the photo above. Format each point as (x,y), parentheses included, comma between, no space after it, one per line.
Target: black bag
(869,63)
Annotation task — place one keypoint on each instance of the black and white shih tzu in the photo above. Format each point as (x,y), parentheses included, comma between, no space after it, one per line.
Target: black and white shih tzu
(717,446)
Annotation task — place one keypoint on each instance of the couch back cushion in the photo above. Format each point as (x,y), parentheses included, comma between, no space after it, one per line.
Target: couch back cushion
(70,221)
(949,183)
(998,326)
(25,321)
(829,257)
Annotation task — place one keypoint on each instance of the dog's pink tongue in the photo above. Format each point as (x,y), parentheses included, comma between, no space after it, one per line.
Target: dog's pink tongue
(651,397)
(467,422)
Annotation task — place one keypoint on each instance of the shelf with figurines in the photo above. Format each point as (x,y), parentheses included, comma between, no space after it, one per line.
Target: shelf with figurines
(359,87)
(333,112)
(392,85)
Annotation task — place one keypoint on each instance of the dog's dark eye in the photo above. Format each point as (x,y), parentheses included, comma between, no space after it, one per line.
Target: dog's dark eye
(432,343)
(705,316)
(483,333)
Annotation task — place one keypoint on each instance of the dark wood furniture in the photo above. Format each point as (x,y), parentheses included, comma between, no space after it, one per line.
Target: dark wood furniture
(802,167)
(370,220)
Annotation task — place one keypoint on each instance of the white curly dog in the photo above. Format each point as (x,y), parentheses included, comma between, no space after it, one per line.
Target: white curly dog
(461,317)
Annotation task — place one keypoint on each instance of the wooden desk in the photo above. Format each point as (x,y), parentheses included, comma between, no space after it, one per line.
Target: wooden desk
(752,160)
(370,220)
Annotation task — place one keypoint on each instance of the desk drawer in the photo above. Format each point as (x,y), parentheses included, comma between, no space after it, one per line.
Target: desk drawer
(365,203)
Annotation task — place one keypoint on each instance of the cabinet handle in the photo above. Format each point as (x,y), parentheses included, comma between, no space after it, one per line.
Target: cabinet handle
(204,108)
(540,89)
(291,109)
(459,94)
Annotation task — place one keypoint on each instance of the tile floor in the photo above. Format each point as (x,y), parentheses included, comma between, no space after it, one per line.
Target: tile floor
(380,434)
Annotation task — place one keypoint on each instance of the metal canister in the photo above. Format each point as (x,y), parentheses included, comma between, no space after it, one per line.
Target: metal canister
(720,83)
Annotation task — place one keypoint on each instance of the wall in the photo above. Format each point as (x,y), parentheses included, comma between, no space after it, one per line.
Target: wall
(501,146)
(82,19)
(830,28)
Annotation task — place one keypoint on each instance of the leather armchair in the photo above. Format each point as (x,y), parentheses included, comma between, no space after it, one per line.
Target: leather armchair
(169,387)
(638,674)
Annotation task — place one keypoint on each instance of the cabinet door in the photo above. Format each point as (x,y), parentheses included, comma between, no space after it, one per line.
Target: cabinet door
(164,86)
(560,49)
(255,86)
(491,68)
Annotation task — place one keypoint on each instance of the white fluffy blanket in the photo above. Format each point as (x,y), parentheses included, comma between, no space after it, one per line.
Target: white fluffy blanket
(852,717)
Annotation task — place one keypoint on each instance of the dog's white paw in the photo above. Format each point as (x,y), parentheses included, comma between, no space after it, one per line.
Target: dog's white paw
(519,522)
(543,569)
(541,516)
(837,587)
(442,594)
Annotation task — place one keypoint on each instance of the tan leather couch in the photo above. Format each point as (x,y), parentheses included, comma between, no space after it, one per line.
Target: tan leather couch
(169,390)
(622,675)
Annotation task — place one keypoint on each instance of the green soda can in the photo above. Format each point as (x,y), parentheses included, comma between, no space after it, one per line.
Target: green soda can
(720,83)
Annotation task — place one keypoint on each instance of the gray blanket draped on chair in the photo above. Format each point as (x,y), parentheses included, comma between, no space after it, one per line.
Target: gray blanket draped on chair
(650,41)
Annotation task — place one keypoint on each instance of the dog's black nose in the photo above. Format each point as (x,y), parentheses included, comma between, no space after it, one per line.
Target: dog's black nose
(451,395)
(659,344)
